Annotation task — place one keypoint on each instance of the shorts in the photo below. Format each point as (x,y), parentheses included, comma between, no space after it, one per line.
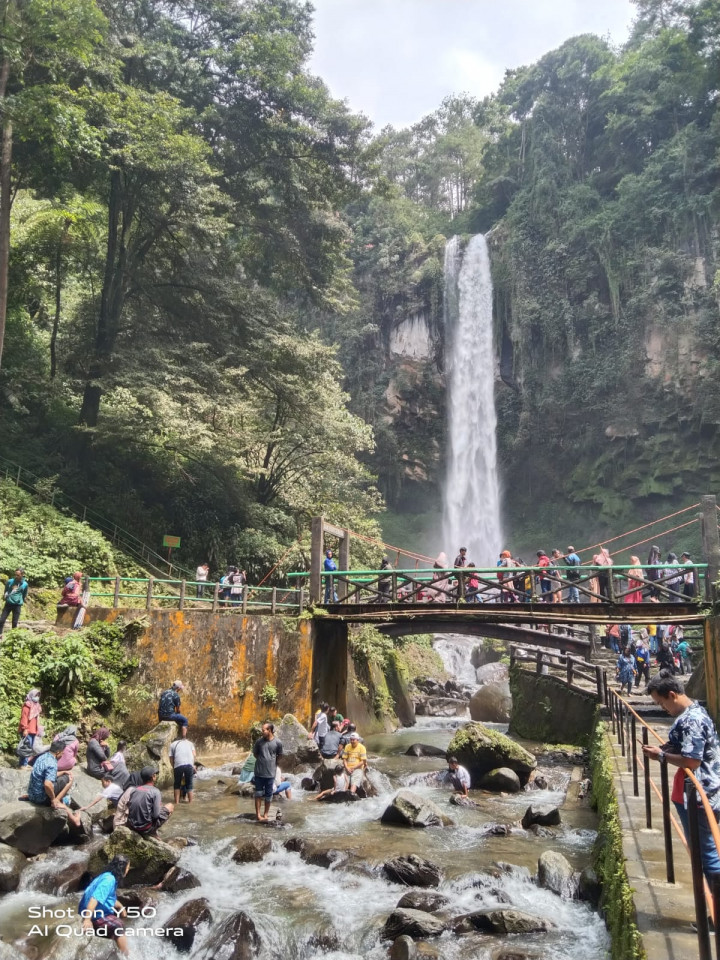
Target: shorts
(281,787)
(187,772)
(108,926)
(264,787)
(355,778)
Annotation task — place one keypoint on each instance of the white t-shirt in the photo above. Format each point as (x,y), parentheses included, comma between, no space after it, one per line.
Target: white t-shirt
(201,573)
(112,792)
(322,725)
(461,775)
(182,753)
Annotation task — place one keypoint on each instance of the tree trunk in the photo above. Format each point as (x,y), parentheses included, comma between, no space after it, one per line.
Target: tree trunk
(112,300)
(58,300)
(5,201)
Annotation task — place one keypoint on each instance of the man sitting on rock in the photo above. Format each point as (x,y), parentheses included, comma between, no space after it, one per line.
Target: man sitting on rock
(331,745)
(457,777)
(169,706)
(46,788)
(146,812)
(354,758)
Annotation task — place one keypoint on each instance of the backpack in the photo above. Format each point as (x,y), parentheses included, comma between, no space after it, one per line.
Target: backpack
(573,575)
(625,633)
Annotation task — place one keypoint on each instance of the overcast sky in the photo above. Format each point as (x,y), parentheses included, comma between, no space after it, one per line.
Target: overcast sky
(395,60)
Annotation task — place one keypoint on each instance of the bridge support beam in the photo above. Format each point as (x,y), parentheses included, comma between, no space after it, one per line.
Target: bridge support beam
(711,543)
(318,528)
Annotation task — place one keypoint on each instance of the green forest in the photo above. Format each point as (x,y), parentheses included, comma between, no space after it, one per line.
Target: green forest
(204,259)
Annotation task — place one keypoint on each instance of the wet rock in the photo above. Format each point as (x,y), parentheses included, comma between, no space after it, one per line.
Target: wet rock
(182,926)
(412,923)
(543,833)
(107,823)
(422,900)
(298,747)
(514,953)
(492,702)
(138,897)
(403,949)
(235,939)
(32,829)
(502,921)
(502,866)
(238,789)
(458,800)
(68,879)
(12,862)
(325,942)
(441,707)
(296,845)
(13,783)
(413,871)
(544,816)
(344,796)
(177,879)
(411,810)
(325,773)
(181,842)
(496,829)
(589,887)
(150,858)
(492,673)
(481,749)
(556,874)
(153,749)
(539,783)
(424,750)
(501,779)
(326,858)
(237,769)
(252,850)
(77,833)
(307,783)
(83,791)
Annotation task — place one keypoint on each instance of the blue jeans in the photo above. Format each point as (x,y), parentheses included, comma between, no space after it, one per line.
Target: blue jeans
(24,761)
(573,595)
(265,787)
(176,718)
(330,588)
(545,587)
(708,851)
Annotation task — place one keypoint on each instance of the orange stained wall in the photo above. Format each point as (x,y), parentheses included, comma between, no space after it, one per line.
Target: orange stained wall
(224,660)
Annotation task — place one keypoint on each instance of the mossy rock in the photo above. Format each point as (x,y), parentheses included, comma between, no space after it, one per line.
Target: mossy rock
(150,858)
(153,750)
(481,749)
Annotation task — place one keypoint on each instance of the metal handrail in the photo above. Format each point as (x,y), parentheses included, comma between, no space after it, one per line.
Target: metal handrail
(273,598)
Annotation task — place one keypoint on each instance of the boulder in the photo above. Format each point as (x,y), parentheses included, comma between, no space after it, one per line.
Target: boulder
(412,871)
(501,921)
(308,784)
(13,783)
(32,829)
(83,791)
(150,858)
(492,702)
(422,900)
(238,789)
(411,810)
(298,747)
(324,857)
(75,833)
(492,673)
(441,707)
(182,926)
(480,750)
(138,897)
(424,750)
(252,850)
(503,779)
(12,862)
(324,775)
(556,874)
(344,796)
(296,845)
(403,949)
(539,782)
(235,939)
(543,833)
(412,923)
(152,749)
(321,943)
(72,877)
(515,953)
(589,886)
(177,879)
(545,816)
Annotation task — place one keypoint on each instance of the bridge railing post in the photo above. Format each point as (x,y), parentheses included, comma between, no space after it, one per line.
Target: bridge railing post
(148,600)
(316,550)
(216,597)
(116,593)
(183,588)
(393,588)
(710,542)
(701,917)
(667,826)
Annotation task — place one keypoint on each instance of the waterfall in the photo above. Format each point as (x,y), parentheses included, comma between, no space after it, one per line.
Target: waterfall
(472,495)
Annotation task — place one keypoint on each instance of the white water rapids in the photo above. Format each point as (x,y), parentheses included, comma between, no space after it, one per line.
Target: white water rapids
(472,494)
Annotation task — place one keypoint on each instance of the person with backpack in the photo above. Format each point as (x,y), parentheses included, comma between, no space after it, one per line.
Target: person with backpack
(572,560)
(626,670)
(169,706)
(543,560)
(235,580)
(14,596)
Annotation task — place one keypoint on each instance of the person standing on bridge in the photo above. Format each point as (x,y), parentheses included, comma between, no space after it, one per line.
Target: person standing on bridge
(201,576)
(571,559)
(604,576)
(543,560)
(635,581)
(688,576)
(692,744)
(329,566)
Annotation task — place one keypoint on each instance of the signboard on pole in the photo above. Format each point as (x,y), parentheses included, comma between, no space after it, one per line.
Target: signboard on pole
(172,542)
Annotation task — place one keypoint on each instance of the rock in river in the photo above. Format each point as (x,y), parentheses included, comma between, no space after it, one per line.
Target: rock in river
(413,871)
(482,749)
(492,703)
(424,750)
(503,779)
(11,864)
(501,921)
(298,747)
(252,850)
(422,900)
(153,749)
(235,939)
(32,829)
(543,816)
(556,873)
(150,858)
(411,810)
(412,923)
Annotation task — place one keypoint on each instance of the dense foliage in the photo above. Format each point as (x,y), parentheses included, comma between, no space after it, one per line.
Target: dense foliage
(210,258)
(77,674)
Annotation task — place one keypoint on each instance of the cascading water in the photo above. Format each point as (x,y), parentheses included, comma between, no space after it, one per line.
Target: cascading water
(472,495)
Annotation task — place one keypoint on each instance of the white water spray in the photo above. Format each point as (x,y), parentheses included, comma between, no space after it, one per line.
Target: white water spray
(472,495)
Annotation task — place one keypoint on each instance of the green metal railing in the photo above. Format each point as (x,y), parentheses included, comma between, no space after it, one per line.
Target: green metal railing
(183,594)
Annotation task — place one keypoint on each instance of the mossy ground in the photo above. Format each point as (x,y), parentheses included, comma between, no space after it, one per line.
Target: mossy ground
(617,901)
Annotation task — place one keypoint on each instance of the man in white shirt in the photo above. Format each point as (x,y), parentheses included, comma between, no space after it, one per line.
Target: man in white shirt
(320,726)
(201,575)
(182,754)
(457,777)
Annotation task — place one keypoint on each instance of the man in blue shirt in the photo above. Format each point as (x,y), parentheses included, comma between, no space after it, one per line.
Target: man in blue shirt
(99,909)
(169,706)
(46,788)
(14,597)
(572,560)
(329,566)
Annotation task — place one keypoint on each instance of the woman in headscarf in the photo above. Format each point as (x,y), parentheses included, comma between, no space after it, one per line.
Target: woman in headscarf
(29,725)
(68,758)
(603,559)
(441,584)
(98,753)
(651,572)
(635,582)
